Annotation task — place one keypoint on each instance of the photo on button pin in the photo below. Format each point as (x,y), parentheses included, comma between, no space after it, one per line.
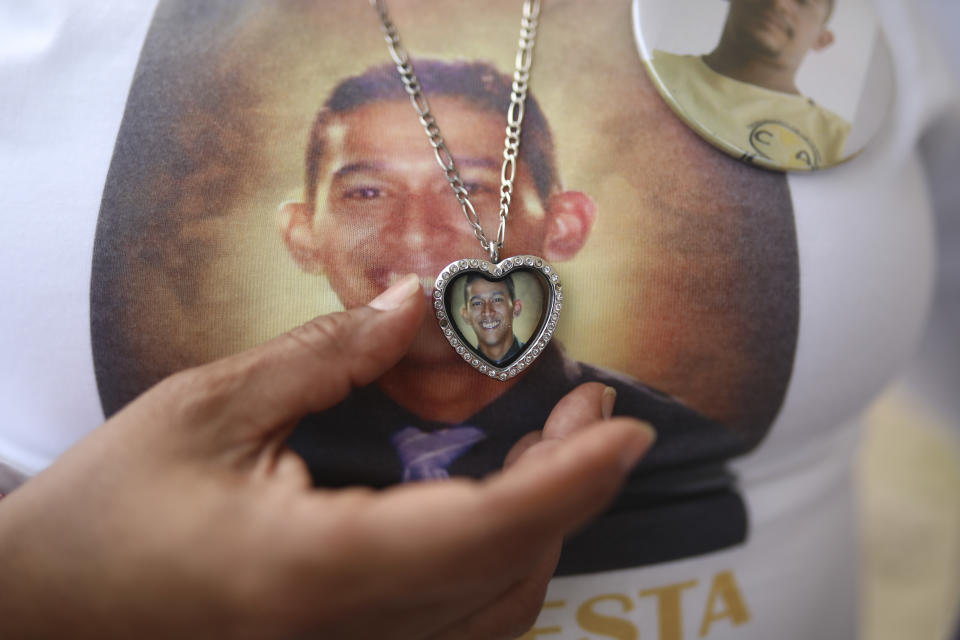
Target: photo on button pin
(792,85)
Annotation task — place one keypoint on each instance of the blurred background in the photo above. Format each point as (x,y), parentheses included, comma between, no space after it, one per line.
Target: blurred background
(909,466)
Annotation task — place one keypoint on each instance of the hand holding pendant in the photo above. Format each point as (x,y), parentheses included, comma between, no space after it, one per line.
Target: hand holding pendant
(185,515)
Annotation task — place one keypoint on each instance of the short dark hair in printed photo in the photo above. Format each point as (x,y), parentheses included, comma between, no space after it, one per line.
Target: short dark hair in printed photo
(479,83)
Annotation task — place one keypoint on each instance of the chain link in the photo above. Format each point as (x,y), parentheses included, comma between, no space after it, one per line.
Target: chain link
(515,113)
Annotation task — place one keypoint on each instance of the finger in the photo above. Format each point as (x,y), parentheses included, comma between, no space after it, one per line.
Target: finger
(584,405)
(581,407)
(435,530)
(569,480)
(459,541)
(513,611)
(307,369)
(431,586)
(521,447)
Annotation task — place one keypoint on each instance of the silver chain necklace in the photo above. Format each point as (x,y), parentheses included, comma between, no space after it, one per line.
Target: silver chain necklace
(518,97)
(483,355)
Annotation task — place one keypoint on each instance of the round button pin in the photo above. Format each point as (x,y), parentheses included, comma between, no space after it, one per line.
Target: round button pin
(791,85)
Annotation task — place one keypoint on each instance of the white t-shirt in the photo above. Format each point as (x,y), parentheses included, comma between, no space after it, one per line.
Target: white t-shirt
(863,251)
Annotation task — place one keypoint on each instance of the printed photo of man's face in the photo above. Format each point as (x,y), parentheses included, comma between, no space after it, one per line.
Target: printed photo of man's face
(378,207)
(278,171)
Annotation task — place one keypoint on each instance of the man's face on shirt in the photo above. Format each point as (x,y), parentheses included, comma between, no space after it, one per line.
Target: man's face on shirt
(781,31)
(385,209)
(490,311)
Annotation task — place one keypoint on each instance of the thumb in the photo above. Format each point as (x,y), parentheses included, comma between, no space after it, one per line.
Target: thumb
(310,368)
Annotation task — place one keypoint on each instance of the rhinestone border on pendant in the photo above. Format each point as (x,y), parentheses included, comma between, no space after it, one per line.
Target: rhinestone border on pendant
(541,336)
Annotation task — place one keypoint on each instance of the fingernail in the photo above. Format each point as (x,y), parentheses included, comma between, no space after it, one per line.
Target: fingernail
(397,293)
(607,400)
(631,455)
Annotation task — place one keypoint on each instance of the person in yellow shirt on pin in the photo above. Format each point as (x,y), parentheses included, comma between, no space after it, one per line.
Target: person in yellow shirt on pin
(743,94)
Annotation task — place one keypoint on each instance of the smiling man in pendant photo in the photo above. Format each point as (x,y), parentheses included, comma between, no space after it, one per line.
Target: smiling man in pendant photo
(490,307)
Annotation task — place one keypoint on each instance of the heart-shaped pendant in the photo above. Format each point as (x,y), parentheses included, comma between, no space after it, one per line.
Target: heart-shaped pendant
(498,317)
